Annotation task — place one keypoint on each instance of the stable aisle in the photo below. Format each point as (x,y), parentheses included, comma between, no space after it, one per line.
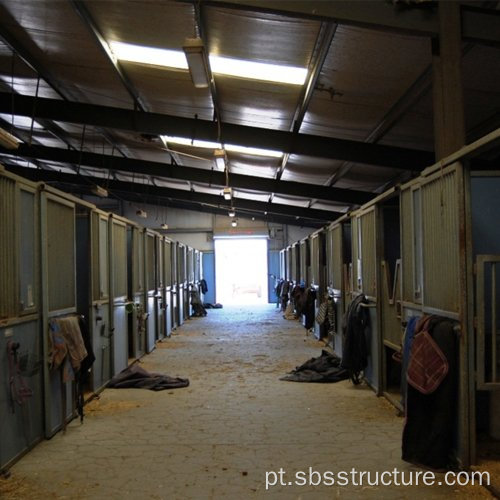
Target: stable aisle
(218,437)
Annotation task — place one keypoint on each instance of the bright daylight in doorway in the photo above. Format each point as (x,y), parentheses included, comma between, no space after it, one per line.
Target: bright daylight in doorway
(241,270)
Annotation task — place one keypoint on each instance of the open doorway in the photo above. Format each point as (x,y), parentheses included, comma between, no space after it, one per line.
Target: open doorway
(241,270)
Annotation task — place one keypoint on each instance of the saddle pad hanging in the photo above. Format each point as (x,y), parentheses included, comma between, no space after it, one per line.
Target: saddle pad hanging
(428,365)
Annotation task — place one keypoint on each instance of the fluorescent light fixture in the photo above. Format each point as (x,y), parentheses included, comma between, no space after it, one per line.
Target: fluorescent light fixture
(220,159)
(258,71)
(253,151)
(239,68)
(231,213)
(234,223)
(197,62)
(141,213)
(184,141)
(228,193)
(164,226)
(148,55)
(8,141)
(100,191)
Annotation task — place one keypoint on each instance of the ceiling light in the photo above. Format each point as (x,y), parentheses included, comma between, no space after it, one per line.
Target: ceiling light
(231,213)
(100,191)
(228,193)
(8,141)
(220,159)
(148,55)
(258,71)
(184,141)
(193,51)
(254,151)
(234,223)
(142,213)
(164,226)
(197,62)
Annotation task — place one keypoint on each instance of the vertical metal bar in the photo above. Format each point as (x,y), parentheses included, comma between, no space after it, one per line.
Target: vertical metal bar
(493,323)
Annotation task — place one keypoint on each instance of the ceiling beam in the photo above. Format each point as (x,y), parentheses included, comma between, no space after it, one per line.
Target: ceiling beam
(161,124)
(40,69)
(177,194)
(322,46)
(202,33)
(478,25)
(410,97)
(89,22)
(169,171)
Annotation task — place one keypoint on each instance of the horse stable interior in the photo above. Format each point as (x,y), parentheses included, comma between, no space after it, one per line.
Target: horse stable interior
(220,190)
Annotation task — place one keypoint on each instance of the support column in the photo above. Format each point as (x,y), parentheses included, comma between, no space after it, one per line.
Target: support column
(449,120)
(449,136)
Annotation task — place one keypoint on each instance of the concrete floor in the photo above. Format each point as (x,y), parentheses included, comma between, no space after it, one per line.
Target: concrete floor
(218,437)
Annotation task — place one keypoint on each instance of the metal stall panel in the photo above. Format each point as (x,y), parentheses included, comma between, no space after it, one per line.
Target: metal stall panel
(99,314)
(150,270)
(317,258)
(390,273)
(289,260)
(329,257)
(182,282)
(119,299)
(190,280)
(355,267)
(167,270)
(160,291)
(21,425)
(304,262)
(364,241)
(175,287)
(138,318)
(488,314)
(407,247)
(8,250)
(59,297)
(367,256)
(21,421)
(282,273)
(28,252)
(295,263)
(337,281)
(440,245)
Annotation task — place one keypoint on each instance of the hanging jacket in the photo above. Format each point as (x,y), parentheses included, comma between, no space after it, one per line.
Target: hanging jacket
(356,330)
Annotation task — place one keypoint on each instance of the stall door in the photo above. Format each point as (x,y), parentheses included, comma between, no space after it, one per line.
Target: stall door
(119,287)
(99,313)
(59,291)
